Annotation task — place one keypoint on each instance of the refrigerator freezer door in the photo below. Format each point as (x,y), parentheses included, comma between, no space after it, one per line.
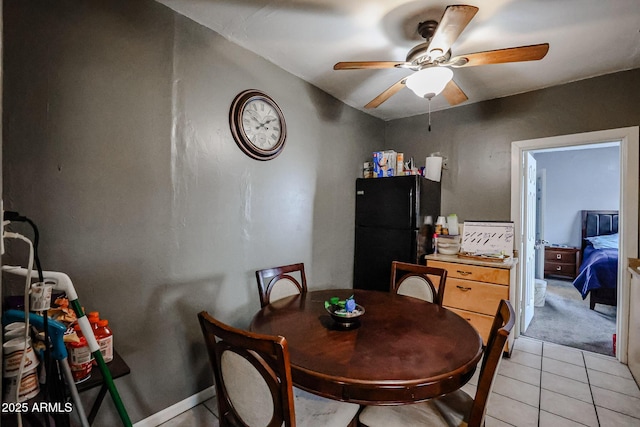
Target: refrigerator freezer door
(387,202)
(375,249)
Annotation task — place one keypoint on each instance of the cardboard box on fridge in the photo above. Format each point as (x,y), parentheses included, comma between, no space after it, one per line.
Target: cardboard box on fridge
(384,163)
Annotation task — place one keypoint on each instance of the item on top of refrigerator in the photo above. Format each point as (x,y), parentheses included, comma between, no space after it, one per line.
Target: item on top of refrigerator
(367,170)
(384,163)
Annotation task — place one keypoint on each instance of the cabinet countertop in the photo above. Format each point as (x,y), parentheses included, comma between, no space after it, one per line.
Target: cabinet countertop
(507,265)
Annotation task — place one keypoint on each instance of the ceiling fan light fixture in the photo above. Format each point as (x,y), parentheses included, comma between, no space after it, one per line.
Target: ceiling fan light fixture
(435,54)
(429,82)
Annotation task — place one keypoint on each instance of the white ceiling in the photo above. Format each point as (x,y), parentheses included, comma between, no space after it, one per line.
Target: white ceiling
(307,37)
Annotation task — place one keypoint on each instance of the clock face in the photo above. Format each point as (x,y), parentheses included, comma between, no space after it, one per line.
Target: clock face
(261,124)
(257,125)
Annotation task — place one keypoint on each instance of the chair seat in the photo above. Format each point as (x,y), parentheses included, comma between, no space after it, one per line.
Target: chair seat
(316,411)
(451,410)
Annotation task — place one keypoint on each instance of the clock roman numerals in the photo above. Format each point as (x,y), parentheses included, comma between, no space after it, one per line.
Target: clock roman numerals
(257,125)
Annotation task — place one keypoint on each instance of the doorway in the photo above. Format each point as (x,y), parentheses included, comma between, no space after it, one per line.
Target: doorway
(570,180)
(629,166)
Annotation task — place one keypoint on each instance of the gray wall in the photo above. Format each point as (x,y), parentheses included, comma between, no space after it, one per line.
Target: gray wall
(577,180)
(477,137)
(117,145)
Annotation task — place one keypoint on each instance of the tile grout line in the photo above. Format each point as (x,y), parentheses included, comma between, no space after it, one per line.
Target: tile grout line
(540,387)
(595,408)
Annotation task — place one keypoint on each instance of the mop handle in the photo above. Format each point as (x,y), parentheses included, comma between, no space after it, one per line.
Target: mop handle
(94,347)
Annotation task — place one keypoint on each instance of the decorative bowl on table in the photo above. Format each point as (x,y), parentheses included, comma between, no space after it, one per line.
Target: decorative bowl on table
(346,314)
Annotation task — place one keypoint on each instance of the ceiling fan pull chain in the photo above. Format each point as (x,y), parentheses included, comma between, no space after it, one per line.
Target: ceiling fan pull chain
(429,114)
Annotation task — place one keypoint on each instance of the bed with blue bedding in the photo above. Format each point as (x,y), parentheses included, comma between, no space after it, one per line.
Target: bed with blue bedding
(598,277)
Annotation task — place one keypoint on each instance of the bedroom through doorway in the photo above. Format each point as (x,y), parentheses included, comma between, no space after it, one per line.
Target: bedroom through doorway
(571,180)
(523,216)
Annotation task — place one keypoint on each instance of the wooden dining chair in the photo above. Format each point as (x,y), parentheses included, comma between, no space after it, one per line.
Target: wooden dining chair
(253,383)
(418,281)
(279,282)
(456,409)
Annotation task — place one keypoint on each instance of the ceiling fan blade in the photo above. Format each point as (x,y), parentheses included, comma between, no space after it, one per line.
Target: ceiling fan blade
(500,56)
(454,20)
(392,90)
(363,65)
(453,94)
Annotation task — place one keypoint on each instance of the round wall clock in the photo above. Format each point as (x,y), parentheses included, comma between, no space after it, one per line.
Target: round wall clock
(257,124)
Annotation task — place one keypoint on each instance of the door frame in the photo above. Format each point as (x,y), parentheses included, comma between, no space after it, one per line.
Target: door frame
(628,225)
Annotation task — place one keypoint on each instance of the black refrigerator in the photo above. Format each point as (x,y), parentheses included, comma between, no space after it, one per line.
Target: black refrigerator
(389,213)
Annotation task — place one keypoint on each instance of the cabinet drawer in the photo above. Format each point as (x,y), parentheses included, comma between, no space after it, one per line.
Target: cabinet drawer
(472,272)
(482,323)
(474,296)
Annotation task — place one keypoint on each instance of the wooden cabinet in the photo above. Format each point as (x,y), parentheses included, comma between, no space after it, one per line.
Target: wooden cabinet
(474,289)
(561,262)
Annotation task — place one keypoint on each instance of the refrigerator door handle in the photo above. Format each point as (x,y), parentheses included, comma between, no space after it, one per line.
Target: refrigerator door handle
(413,221)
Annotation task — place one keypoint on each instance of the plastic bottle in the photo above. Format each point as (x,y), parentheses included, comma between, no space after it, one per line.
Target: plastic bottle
(452,224)
(93,317)
(104,336)
(80,360)
(435,243)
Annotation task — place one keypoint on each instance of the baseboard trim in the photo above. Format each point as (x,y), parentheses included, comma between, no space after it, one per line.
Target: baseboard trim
(177,408)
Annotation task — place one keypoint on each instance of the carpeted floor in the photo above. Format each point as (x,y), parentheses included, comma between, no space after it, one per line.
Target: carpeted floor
(566,319)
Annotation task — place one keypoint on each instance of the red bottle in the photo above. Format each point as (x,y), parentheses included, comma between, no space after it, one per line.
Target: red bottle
(104,336)
(80,360)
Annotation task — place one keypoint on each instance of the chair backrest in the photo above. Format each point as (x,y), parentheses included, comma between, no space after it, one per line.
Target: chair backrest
(418,281)
(500,330)
(252,375)
(279,282)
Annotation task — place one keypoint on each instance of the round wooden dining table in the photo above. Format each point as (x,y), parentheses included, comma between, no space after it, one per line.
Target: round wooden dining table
(404,350)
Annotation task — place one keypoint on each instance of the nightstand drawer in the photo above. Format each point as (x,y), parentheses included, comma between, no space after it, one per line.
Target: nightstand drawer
(482,298)
(554,255)
(558,268)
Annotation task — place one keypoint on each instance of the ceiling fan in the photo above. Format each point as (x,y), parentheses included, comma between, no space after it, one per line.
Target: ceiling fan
(432,60)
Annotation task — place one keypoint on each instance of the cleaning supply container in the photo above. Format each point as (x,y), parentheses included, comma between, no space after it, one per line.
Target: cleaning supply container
(539,293)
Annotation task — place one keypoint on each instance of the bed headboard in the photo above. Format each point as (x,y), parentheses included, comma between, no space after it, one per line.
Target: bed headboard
(598,223)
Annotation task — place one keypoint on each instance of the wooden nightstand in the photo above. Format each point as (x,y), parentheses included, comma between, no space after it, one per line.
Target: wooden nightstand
(561,262)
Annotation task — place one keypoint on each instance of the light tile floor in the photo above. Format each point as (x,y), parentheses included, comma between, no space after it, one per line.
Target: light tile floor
(541,385)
